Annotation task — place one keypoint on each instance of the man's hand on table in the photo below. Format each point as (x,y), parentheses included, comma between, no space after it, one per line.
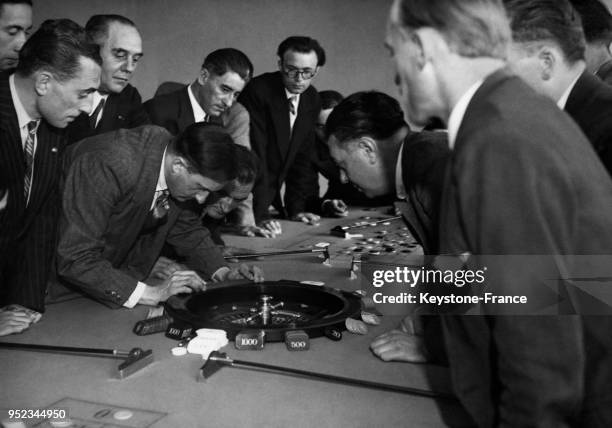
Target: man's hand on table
(334,208)
(180,281)
(403,344)
(243,271)
(164,267)
(16,318)
(266,229)
(308,218)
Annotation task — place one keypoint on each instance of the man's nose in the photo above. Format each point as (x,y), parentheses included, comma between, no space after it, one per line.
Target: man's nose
(19,41)
(129,65)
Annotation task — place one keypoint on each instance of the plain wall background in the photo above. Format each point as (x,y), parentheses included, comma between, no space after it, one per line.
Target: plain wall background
(178,34)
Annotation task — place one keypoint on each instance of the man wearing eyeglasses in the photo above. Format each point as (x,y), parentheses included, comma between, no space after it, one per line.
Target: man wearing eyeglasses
(284,106)
(116,104)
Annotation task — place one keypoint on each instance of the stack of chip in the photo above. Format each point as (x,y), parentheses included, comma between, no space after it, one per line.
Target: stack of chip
(206,341)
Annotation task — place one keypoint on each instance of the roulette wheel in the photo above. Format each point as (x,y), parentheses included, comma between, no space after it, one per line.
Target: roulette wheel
(272,307)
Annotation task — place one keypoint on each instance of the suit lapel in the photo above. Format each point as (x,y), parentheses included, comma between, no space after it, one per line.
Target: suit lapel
(280,116)
(11,149)
(186,116)
(49,148)
(111,116)
(302,125)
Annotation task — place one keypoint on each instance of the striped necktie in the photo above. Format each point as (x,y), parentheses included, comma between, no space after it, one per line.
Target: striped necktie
(292,109)
(29,158)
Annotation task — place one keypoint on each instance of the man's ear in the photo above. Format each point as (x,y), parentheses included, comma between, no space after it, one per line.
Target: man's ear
(368,147)
(428,42)
(280,64)
(204,75)
(547,59)
(179,165)
(42,82)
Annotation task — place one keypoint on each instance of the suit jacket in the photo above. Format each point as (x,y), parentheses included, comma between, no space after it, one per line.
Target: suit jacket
(424,158)
(523,179)
(122,110)
(285,156)
(590,105)
(27,233)
(173,111)
(109,188)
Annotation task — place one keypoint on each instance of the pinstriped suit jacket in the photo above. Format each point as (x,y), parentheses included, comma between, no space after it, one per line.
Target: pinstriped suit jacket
(27,234)
(107,195)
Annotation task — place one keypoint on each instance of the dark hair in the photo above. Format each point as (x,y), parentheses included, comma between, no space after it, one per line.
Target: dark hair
(596,21)
(97,26)
(57,46)
(365,113)
(472,28)
(247,164)
(302,44)
(208,149)
(221,61)
(555,20)
(330,99)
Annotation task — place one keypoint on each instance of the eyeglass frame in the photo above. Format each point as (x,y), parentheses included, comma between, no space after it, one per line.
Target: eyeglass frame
(295,72)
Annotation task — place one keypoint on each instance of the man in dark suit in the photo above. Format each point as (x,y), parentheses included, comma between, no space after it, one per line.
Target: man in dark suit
(15,24)
(522,179)
(13,318)
(212,98)
(377,152)
(597,24)
(548,51)
(116,104)
(552,61)
(57,73)
(283,107)
(126,195)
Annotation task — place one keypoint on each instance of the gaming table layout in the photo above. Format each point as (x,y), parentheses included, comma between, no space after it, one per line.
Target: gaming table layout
(170,391)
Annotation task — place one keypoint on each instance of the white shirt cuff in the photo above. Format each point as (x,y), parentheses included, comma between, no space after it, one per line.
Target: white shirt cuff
(220,273)
(136,295)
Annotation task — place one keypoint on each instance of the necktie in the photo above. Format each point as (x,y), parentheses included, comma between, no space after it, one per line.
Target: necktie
(94,117)
(292,109)
(161,207)
(29,157)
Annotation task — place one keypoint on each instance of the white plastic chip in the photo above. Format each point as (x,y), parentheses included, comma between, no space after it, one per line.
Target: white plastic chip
(179,350)
(211,333)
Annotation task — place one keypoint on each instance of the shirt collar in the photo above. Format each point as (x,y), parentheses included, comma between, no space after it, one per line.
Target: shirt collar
(458,111)
(97,97)
(23,118)
(161,180)
(563,100)
(198,112)
(289,95)
(400,189)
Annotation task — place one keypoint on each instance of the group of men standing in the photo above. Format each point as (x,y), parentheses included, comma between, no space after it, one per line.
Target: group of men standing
(523,170)
(92,190)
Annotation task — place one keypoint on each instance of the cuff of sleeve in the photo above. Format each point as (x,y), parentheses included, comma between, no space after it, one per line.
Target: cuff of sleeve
(220,273)
(136,295)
